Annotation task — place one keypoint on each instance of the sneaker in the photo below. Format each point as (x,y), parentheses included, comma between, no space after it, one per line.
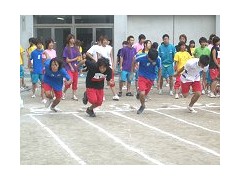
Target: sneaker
(90,112)
(85,99)
(212,95)
(63,96)
(75,98)
(167,85)
(124,87)
(116,98)
(120,94)
(33,96)
(176,96)
(129,94)
(140,110)
(203,92)
(191,110)
(160,92)
(217,95)
(48,103)
(170,93)
(44,101)
(104,98)
(53,109)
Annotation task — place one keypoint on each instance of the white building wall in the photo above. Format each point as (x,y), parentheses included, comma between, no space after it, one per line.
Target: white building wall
(194,26)
(153,27)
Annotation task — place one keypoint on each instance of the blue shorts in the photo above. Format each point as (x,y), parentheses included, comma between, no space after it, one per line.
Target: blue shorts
(208,78)
(167,71)
(35,77)
(21,71)
(125,76)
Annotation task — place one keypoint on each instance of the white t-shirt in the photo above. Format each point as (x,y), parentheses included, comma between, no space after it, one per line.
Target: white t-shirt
(192,71)
(106,52)
(93,50)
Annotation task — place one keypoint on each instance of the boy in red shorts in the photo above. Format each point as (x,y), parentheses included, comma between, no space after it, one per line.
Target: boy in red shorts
(53,81)
(97,72)
(147,74)
(191,77)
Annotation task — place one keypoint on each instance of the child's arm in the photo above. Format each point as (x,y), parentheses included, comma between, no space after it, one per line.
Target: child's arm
(214,54)
(178,72)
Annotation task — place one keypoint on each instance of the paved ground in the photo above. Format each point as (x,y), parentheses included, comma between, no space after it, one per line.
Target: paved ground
(164,134)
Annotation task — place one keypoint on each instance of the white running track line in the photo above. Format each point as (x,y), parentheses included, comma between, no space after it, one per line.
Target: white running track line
(181,120)
(169,134)
(117,140)
(60,142)
(208,110)
(201,108)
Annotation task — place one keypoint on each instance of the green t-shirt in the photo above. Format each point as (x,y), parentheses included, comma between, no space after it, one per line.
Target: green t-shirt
(201,51)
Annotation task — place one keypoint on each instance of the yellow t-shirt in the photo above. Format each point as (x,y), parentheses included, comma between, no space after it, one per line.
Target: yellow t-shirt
(181,58)
(192,51)
(31,49)
(21,51)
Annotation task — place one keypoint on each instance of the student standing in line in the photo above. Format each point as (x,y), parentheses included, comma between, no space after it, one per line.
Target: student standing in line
(71,54)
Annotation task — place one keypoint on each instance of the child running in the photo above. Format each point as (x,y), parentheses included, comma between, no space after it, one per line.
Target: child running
(53,81)
(191,77)
(97,72)
(147,74)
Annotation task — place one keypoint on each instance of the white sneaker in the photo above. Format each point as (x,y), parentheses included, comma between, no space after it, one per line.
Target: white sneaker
(170,93)
(191,110)
(203,92)
(124,87)
(104,98)
(75,98)
(167,85)
(212,95)
(176,96)
(44,101)
(116,98)
(63,96)
(217,95)
(160,92)
(33,96)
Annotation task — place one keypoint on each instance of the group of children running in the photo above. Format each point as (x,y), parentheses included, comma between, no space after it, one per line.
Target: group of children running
(185,67)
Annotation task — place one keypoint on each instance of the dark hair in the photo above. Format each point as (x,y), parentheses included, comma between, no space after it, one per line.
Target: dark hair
(56,60)
(102,61)
(181,43)
(215,40)
(104,37)
(154,45)
(202,39)
(48,41)
(145,44)
(78,42)
(124,43)
(38,41)
(212,36)
(204,60)
(70,36)
(183,35)
(153,54)
(129,37)
(192,42)
(141,36)
(165,35)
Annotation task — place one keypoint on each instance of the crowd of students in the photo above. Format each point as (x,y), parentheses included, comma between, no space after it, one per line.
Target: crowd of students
(186,68)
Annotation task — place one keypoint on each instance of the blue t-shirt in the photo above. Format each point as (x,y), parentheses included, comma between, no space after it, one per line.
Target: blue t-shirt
(147,69)
(54,79)
(166,53)
(36,56)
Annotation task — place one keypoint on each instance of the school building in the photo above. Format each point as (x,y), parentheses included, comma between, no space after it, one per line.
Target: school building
(88,28)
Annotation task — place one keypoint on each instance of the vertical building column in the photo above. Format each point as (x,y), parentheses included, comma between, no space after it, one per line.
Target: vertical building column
(217,25)
(120,32)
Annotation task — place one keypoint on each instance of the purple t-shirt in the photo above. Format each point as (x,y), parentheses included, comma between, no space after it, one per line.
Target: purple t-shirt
(127,54)
(71,52)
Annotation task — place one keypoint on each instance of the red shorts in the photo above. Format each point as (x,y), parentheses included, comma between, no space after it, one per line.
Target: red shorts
(144,84)
(177,84)
(196,86)
(47,87)
(95,96)
(214,73)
